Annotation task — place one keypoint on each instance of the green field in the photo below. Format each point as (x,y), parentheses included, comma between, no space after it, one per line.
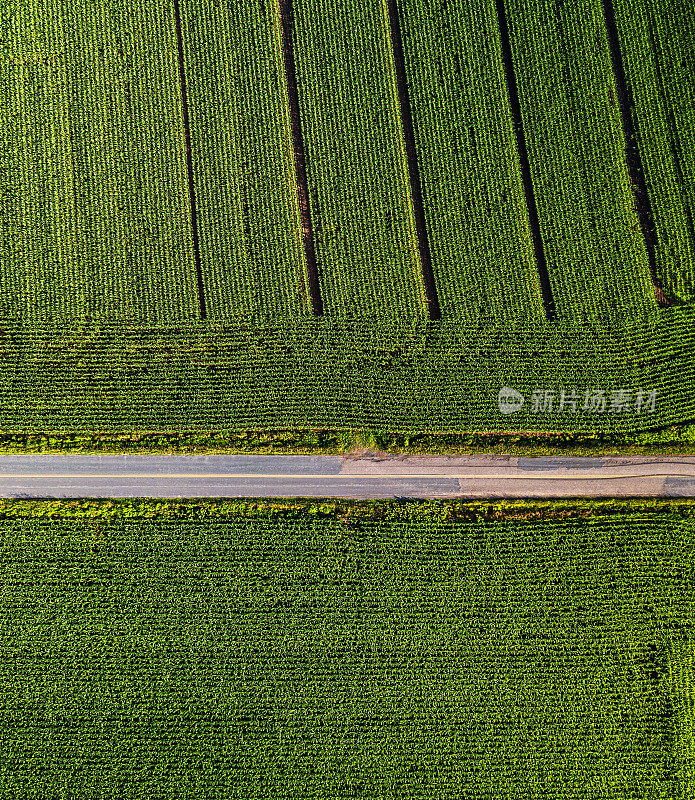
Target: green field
(94,205)
(474,202)
(248,219)
(596,258)
(659,46)
(155,267)
(347,650)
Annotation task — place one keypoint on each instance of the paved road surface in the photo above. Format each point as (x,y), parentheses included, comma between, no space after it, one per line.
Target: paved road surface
(336,476)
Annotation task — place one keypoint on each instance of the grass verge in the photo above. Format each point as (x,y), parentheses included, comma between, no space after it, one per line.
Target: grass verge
(671,440)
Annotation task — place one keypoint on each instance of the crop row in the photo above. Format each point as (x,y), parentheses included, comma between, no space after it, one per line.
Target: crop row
(288,658)
(364,231)
(248,217)
(595,253)
(477,220)
(658,45)
(323,373)
(93,200)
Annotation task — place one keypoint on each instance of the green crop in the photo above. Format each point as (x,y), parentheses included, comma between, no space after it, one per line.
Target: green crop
(244,177)
(92,190)
(103,283)
(365,245)
(596,256)
(474,204)
(659,44)
(331,656)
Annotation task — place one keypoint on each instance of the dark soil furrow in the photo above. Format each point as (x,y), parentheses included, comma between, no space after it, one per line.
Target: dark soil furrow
(427,273)
(534,222)
(189,162)
(643,206)
(314,290)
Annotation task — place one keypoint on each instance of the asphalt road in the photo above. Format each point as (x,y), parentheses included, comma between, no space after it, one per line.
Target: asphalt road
(31,476)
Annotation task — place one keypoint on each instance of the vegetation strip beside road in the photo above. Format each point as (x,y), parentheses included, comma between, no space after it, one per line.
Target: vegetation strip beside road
(348,510)
(673,440)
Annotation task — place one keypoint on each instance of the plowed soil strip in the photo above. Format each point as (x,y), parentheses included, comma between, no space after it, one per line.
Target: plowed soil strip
(534,223)
(299,158)
(643,206)
(189,162)
(429,285)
